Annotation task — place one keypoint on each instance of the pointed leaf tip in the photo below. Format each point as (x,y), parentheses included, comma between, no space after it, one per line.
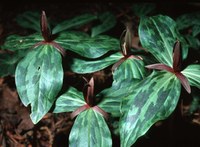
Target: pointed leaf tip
(184,81)
(44,27)
(89,93)
(160,66)
(177,57)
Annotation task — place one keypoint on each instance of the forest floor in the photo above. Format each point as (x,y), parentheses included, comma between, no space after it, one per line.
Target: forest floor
(16,127)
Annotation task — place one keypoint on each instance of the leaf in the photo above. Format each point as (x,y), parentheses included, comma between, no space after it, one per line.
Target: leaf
(45,27)
(192,72)
(86,46)
(71,100)
(30,20)
(89,66)
(193,42)
(148,59)
(39,78)
(89,92)
(195,104)
(111,98)
(16,42)
(143,9)
(158,34)
(187,20)
(74,22)
(154,99)
(90,130)
(177,57)
(8,62)
(108,21)
(130,68)
(195,30)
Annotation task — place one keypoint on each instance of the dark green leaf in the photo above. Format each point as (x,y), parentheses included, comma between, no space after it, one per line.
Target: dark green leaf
(112,97)
(108,21)
(195,30)
(148,59)
(158,34)
(16,42)
(130,68)
(89,66)
(74,22)
(39,78)
(192,72)
(187,20)
(90,130)
(195,104)
(86,46)
(193,41)
(30,20)
(8,62)
(71,100)
(143,9)
(153,99)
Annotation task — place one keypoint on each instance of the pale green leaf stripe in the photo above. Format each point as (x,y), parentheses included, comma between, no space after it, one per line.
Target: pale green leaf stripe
(89,66)
(188,20)
(130,68)
(39,78)
(71,100)
(192,72)
(86,46)
(112,97)
(108,21)
(90,130)
(157,37)
(155,99)
(74,22)
(158,34)
(16,42)
(30,20)
(8,62)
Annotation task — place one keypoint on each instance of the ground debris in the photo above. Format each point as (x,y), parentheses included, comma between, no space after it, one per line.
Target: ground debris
(17,129)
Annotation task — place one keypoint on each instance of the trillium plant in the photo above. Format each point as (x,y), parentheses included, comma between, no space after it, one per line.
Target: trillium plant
(148,67)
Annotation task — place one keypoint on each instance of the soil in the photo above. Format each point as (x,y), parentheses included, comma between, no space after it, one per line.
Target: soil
(16,128)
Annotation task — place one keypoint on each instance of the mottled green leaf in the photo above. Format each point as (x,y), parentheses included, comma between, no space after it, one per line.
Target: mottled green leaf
(193,42)
(16,42)
(188,20)
(130,68)
(149,59)
(192,72)
(153,99)
(71,100)
(88,66)
(143,9)
(86,46)
(108,21)
(90,130)
(74,22)
(39,78)
(8,62)
(196,30)
(158,34)
(111,97)
(30,20)
(195,104)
